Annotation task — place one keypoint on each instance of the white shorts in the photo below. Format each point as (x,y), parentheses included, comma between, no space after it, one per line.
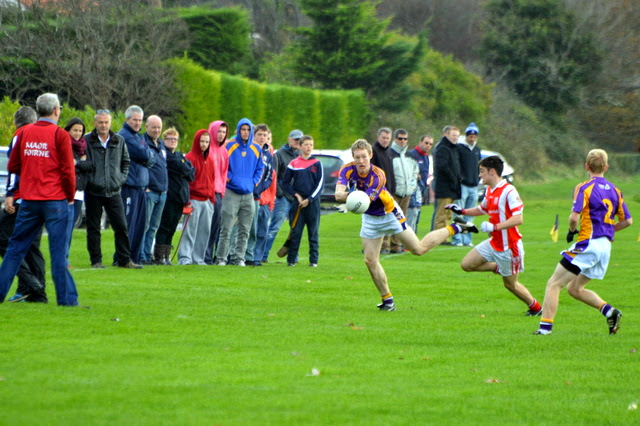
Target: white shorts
(509,263)
(374,227)
(593,261)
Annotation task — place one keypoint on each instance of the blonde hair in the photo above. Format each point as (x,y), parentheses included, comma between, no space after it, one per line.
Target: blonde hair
(171,131)
(361,144)
(597,160)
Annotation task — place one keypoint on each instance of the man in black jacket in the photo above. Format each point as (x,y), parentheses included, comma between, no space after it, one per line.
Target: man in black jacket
(382,159)
(446,173)
(180,172)
(109,160)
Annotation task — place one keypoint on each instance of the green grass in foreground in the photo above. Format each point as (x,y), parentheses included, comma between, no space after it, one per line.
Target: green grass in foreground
(212,345)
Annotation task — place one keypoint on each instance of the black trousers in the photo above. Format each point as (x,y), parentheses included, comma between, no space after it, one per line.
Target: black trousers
(171,215)
(115,212)
(31,274)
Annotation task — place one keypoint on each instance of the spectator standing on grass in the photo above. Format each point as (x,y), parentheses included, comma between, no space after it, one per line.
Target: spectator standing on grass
(180,172)
(421,195)
(109,158)
(503,252)
(267,204)
(261,133)
(405,172)
(596,205)
(201,196)
(31,274)
(469,153)
(156,194)
(218,152)
(245,171)
(133,191)
(446,176)
(382,159)
(42,156)
(384,218)
(283,157)
(304,180)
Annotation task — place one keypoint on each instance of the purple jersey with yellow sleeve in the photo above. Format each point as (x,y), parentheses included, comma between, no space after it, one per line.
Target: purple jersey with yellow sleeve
(372,184)
(599,202)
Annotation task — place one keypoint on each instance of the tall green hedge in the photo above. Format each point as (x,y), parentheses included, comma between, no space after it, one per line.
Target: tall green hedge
(334,118)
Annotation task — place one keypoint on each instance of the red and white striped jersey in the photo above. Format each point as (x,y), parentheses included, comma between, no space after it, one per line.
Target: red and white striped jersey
(501,203)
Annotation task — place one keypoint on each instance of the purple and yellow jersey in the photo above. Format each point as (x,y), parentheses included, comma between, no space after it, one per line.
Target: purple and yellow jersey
(599,202)
(373,184)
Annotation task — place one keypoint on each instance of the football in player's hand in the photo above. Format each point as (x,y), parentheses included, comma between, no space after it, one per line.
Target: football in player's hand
(358,202)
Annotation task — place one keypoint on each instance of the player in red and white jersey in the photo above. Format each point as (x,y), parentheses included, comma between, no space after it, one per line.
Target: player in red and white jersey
(503,253)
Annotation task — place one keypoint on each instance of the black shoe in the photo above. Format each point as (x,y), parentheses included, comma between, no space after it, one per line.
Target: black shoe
(387,306)
(465,227)
(614,321)
(384,251)
(97,265)
(531,313)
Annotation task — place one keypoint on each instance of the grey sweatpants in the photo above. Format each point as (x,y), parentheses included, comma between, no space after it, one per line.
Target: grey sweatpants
(196,234)
(240,207)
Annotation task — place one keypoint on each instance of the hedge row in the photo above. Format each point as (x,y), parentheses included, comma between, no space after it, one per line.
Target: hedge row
(334,118)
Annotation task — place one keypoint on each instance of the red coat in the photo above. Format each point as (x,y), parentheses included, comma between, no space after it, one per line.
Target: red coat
(43,158)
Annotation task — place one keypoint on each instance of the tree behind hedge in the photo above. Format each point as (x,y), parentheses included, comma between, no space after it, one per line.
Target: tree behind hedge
(347,48)
(534,46)
(101,54)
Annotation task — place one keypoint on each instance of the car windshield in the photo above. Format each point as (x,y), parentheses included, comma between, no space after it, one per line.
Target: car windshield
(4,161)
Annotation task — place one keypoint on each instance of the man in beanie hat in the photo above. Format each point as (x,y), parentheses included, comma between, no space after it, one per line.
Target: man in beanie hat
(469,152)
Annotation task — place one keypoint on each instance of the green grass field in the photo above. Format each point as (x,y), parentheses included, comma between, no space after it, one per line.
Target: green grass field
(281,345)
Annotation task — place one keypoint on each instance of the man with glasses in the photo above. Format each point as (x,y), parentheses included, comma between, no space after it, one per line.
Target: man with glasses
(43,158)
(108,155)
(405,171)
(282,158)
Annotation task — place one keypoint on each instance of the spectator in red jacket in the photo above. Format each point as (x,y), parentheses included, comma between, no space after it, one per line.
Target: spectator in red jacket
(43,157)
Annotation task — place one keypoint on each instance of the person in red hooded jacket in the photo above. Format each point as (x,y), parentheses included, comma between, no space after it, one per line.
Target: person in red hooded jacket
(219,131)
(201,197)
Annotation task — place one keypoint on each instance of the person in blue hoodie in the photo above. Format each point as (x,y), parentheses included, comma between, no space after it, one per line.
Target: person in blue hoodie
(133,190)
(245,172)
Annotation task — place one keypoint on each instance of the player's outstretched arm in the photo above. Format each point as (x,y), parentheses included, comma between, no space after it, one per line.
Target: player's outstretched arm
(623,224)
(341,192)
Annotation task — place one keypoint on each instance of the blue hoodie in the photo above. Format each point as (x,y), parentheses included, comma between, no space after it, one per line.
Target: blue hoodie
(245,162)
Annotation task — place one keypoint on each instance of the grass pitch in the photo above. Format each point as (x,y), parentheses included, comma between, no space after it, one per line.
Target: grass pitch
(298,345)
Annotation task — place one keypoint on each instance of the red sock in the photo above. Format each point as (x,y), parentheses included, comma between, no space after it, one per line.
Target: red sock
(535,306)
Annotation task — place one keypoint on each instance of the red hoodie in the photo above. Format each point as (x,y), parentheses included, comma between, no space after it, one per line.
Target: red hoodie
(220,157)
(201,188)
(43,158)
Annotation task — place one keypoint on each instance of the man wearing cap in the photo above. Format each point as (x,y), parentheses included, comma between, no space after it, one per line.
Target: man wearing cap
(282,158)
(469,152)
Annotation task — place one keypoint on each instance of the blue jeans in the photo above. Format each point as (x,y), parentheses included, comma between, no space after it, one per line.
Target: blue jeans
(155,205)
(469,200)
(135,211)
(264,218)
(55,215)
(280,213)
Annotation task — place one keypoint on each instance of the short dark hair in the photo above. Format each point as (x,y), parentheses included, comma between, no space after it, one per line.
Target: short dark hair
(73,122)
(305,138)
(261,128)
(493,162)
(399,132)
(24,115)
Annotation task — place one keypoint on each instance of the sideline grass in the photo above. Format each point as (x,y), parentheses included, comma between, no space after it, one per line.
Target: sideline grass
(228,345)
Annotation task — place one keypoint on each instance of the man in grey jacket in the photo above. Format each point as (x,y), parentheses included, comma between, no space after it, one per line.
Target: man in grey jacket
(109,158)
(405,171)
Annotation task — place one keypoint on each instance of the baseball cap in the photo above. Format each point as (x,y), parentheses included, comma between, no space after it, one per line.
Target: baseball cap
(296,134)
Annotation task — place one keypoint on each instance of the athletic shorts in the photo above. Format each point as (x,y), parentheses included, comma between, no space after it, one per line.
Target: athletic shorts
(593,261)
(509,263)
(374,227)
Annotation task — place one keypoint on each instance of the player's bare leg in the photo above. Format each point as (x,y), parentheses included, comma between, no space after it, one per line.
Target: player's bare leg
(512,284)
(418,247)
(474,262)
(560,278)
(372,260)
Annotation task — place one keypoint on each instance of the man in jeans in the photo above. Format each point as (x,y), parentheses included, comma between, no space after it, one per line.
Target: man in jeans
(158,185)
(43,158)
(283,157)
